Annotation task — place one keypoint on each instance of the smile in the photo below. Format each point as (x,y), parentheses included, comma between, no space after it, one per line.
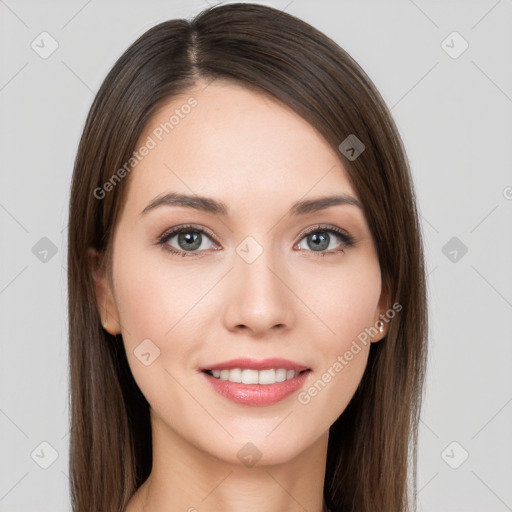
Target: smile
(247,376)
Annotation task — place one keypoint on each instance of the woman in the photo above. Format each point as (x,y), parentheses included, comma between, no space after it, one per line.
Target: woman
(247,302)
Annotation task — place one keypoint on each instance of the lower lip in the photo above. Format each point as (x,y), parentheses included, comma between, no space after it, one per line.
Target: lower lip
(258,395)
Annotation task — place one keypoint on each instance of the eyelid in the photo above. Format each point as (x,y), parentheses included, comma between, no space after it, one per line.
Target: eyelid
(193,227)
(347,239)
(326,227)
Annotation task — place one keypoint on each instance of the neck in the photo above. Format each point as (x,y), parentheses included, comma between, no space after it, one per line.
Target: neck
(185,477)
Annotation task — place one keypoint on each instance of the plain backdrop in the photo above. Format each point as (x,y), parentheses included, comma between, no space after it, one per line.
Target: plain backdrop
(444,70)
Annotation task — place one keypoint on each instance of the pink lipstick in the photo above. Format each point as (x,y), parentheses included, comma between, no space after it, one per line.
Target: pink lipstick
(256,382)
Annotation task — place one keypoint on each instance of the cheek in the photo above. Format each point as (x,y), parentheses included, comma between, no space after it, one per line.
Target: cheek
(159,302)
(151,294)
(345,299)
(329,393)
(152,307)
(348,309)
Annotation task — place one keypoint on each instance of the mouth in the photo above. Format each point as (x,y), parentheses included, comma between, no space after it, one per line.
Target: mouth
(246,370)
(256,383)
(251,376)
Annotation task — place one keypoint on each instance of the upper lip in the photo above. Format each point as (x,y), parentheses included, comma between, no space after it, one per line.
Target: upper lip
(255,364)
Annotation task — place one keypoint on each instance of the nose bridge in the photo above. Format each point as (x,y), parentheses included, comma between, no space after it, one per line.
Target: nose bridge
(260,299)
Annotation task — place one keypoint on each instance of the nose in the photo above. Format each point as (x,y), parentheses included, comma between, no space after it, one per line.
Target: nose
(258,296)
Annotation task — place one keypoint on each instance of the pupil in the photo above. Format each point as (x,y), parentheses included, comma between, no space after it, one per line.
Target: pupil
(320,241)
(191,238)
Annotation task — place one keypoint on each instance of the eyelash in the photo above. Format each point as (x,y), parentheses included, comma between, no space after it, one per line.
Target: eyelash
(347,240)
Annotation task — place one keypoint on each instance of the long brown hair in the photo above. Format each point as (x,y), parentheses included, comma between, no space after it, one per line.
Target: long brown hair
(372,445)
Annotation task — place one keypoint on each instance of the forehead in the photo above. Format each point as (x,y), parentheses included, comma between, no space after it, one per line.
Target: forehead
(226,141)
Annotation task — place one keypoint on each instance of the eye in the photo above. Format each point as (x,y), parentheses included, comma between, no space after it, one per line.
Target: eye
(320,238)
(189,239)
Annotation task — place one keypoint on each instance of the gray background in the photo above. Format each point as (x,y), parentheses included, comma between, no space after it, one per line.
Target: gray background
(454,115)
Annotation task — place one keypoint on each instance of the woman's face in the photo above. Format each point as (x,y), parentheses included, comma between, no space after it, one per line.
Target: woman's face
(262,279)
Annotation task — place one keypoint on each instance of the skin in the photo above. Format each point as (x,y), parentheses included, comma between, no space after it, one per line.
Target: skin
(258,157)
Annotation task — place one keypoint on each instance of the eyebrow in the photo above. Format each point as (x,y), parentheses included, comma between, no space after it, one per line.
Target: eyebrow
(209,205)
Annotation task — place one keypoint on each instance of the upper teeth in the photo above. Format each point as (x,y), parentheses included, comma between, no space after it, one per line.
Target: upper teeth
(254,376)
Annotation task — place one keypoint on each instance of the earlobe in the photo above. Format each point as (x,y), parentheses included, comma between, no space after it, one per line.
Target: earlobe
(104,299)
(381,325)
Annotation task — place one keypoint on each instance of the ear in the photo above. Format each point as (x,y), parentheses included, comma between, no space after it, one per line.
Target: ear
(380,316)
(104,297)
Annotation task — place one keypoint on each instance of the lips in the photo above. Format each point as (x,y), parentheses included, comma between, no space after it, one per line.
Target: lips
(257,394)
(256,383)
(254,364)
